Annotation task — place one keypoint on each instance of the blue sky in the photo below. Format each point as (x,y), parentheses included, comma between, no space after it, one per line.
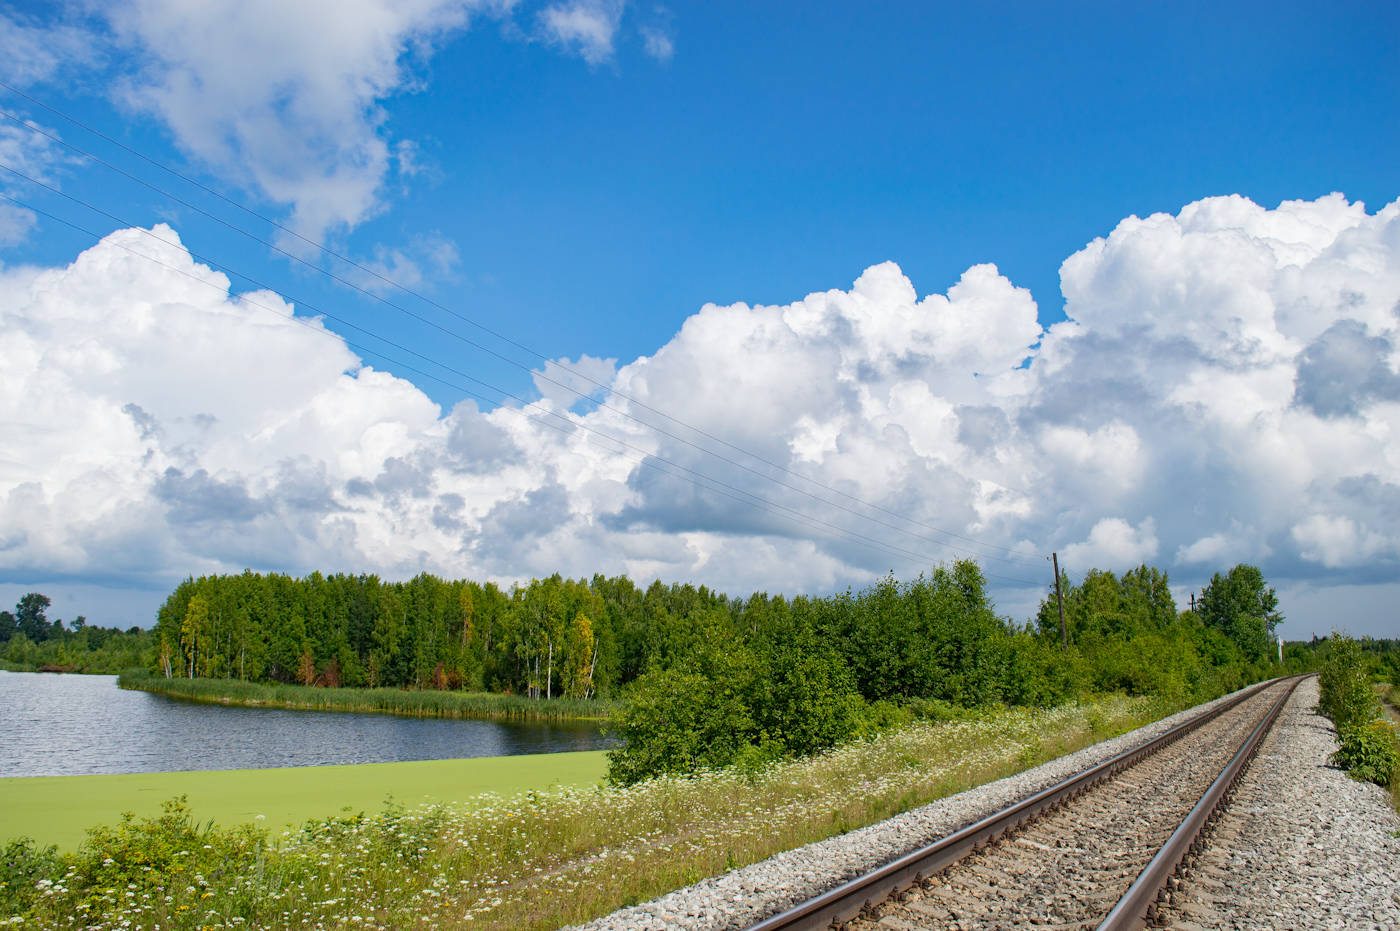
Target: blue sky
(584,176)
(783,149)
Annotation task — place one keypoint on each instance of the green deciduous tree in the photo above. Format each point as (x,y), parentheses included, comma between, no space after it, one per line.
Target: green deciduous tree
(1243,606)
(30,619)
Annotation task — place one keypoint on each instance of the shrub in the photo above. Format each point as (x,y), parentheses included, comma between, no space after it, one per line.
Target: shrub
(1370,753)
(160,870)
(23,867)
(808,703)
(1344,694)
(679,722)
(1367,747)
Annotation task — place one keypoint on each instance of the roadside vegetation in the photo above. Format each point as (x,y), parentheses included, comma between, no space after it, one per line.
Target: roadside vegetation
(535,860)
(1368,743)
(426,703)
(749,726)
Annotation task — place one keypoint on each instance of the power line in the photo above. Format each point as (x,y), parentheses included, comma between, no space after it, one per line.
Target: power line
(468,320)
(648,460)
(232,271)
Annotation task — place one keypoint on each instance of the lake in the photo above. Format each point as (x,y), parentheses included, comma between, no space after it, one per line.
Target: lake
(69,725)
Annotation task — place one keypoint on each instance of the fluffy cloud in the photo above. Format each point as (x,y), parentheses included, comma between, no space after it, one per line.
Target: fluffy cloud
(566,383)
(287,100)
(1238,543)
(1339,541)
(284,98)
(585,26)
(1223,390)
(1115,544)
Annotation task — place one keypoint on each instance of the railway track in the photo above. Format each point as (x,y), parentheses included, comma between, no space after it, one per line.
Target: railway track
(1096,851)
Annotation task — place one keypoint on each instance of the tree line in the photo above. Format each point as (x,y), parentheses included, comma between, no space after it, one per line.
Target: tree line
(707,679)
(554,637)
(30,641)
(788,677)
(703,679)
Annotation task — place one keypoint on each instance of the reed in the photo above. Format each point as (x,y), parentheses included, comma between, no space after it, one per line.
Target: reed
(424,703)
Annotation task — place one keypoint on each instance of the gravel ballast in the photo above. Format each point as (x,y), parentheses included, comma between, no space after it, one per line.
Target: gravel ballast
(1302,846)
(745,896)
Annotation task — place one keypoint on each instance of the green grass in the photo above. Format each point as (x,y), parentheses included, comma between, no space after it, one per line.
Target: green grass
(60,809)
(425,703)
(1390,700)
(535,861)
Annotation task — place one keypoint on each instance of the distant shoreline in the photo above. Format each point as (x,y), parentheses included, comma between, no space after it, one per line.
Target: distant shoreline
(72,670)
(422,704)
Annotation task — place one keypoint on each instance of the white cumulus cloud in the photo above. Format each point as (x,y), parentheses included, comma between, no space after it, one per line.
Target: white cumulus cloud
(1235,545)
(1227,388)
(1338,541)
(1115,544)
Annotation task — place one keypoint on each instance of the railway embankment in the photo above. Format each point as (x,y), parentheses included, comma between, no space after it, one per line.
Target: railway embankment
(1327,838)
(1303,845)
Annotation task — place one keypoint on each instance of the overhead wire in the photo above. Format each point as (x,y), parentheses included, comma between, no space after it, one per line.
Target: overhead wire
(225,267)
(482,327)
(648,460)
(541,375)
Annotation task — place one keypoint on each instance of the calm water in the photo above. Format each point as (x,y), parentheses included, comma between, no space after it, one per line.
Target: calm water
(66,725)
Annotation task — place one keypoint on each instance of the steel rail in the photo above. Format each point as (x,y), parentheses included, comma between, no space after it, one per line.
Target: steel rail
(1138,907)
(859,896)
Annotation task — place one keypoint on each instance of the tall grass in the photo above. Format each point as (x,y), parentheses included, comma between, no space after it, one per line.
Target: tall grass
(1390,701)
(426,703)
(543,860)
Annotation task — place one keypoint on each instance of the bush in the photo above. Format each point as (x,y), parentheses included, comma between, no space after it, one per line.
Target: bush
(1368,748)
(144,852)
(808,702)
(1370,753)
(1344,692)
(741,701)
(159,869)
(679,722)
(24,867)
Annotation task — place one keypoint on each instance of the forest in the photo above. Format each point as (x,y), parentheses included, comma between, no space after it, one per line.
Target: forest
(936,637)
(705,679)
(29,641)
(698,679)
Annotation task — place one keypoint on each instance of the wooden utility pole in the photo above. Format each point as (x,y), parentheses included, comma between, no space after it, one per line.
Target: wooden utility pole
(1060,600)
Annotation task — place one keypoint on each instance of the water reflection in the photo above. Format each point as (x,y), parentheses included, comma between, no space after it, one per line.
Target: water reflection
(65,725)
